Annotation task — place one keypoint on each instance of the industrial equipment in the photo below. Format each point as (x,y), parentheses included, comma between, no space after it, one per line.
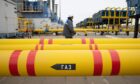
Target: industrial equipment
(134,5)
(40,12)
(111,19)
(70,63)
(25,25)
(88,22)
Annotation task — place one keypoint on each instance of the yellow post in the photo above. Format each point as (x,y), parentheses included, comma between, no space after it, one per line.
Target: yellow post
(70,63)
(127,18)
(109,15)
(114,18)
(119,25)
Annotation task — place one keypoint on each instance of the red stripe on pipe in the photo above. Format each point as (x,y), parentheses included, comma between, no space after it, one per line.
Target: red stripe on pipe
(115,62)
(36,48)
(90,47)
(91,41)
(13,63)
(98,64)
(96,47)
(30,63)
(50,41)
(42,47)
(83,41)
(42,41)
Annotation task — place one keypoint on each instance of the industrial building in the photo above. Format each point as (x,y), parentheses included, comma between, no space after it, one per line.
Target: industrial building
(8,16)
(37,45)
(33,15)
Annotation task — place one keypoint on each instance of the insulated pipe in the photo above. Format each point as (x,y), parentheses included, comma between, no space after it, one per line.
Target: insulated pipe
(76,30)
(71,47)
(79,30)
(70,41)
(70,63)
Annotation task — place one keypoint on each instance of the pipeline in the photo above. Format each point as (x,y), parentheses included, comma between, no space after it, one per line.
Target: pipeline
(85,30)
(71,47)
(70,41)
(70,63)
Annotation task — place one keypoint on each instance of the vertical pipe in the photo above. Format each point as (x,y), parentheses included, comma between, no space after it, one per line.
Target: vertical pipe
(114,18)
(53,1)
(119,19)
(49,4)
(109,15)
(127,19)
(55,9)
(136,26)
(60,9)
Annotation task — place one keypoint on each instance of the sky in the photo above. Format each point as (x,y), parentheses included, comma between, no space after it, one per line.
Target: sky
(82,9)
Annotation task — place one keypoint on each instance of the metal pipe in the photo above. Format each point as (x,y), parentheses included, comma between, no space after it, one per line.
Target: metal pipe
(70,41)
(70,63)
(70,47)
(77,30)
(136,27)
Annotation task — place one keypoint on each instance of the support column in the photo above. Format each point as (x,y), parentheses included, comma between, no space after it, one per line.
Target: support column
(136,27)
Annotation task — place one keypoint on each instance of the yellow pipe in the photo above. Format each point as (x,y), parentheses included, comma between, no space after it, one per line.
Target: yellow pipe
(70,41)
(70,63)
(76,30)
(71,47)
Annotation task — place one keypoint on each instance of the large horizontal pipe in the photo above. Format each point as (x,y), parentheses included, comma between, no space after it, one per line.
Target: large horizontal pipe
(76,30)
(85,30)
(70,63)
(70,41)
(70,47)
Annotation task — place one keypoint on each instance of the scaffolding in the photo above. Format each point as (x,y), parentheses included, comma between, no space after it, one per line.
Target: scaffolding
(110,19)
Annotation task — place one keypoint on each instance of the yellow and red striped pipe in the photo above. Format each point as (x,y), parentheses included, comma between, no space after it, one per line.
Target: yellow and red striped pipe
(70,41)
(70,63)
(70,47)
